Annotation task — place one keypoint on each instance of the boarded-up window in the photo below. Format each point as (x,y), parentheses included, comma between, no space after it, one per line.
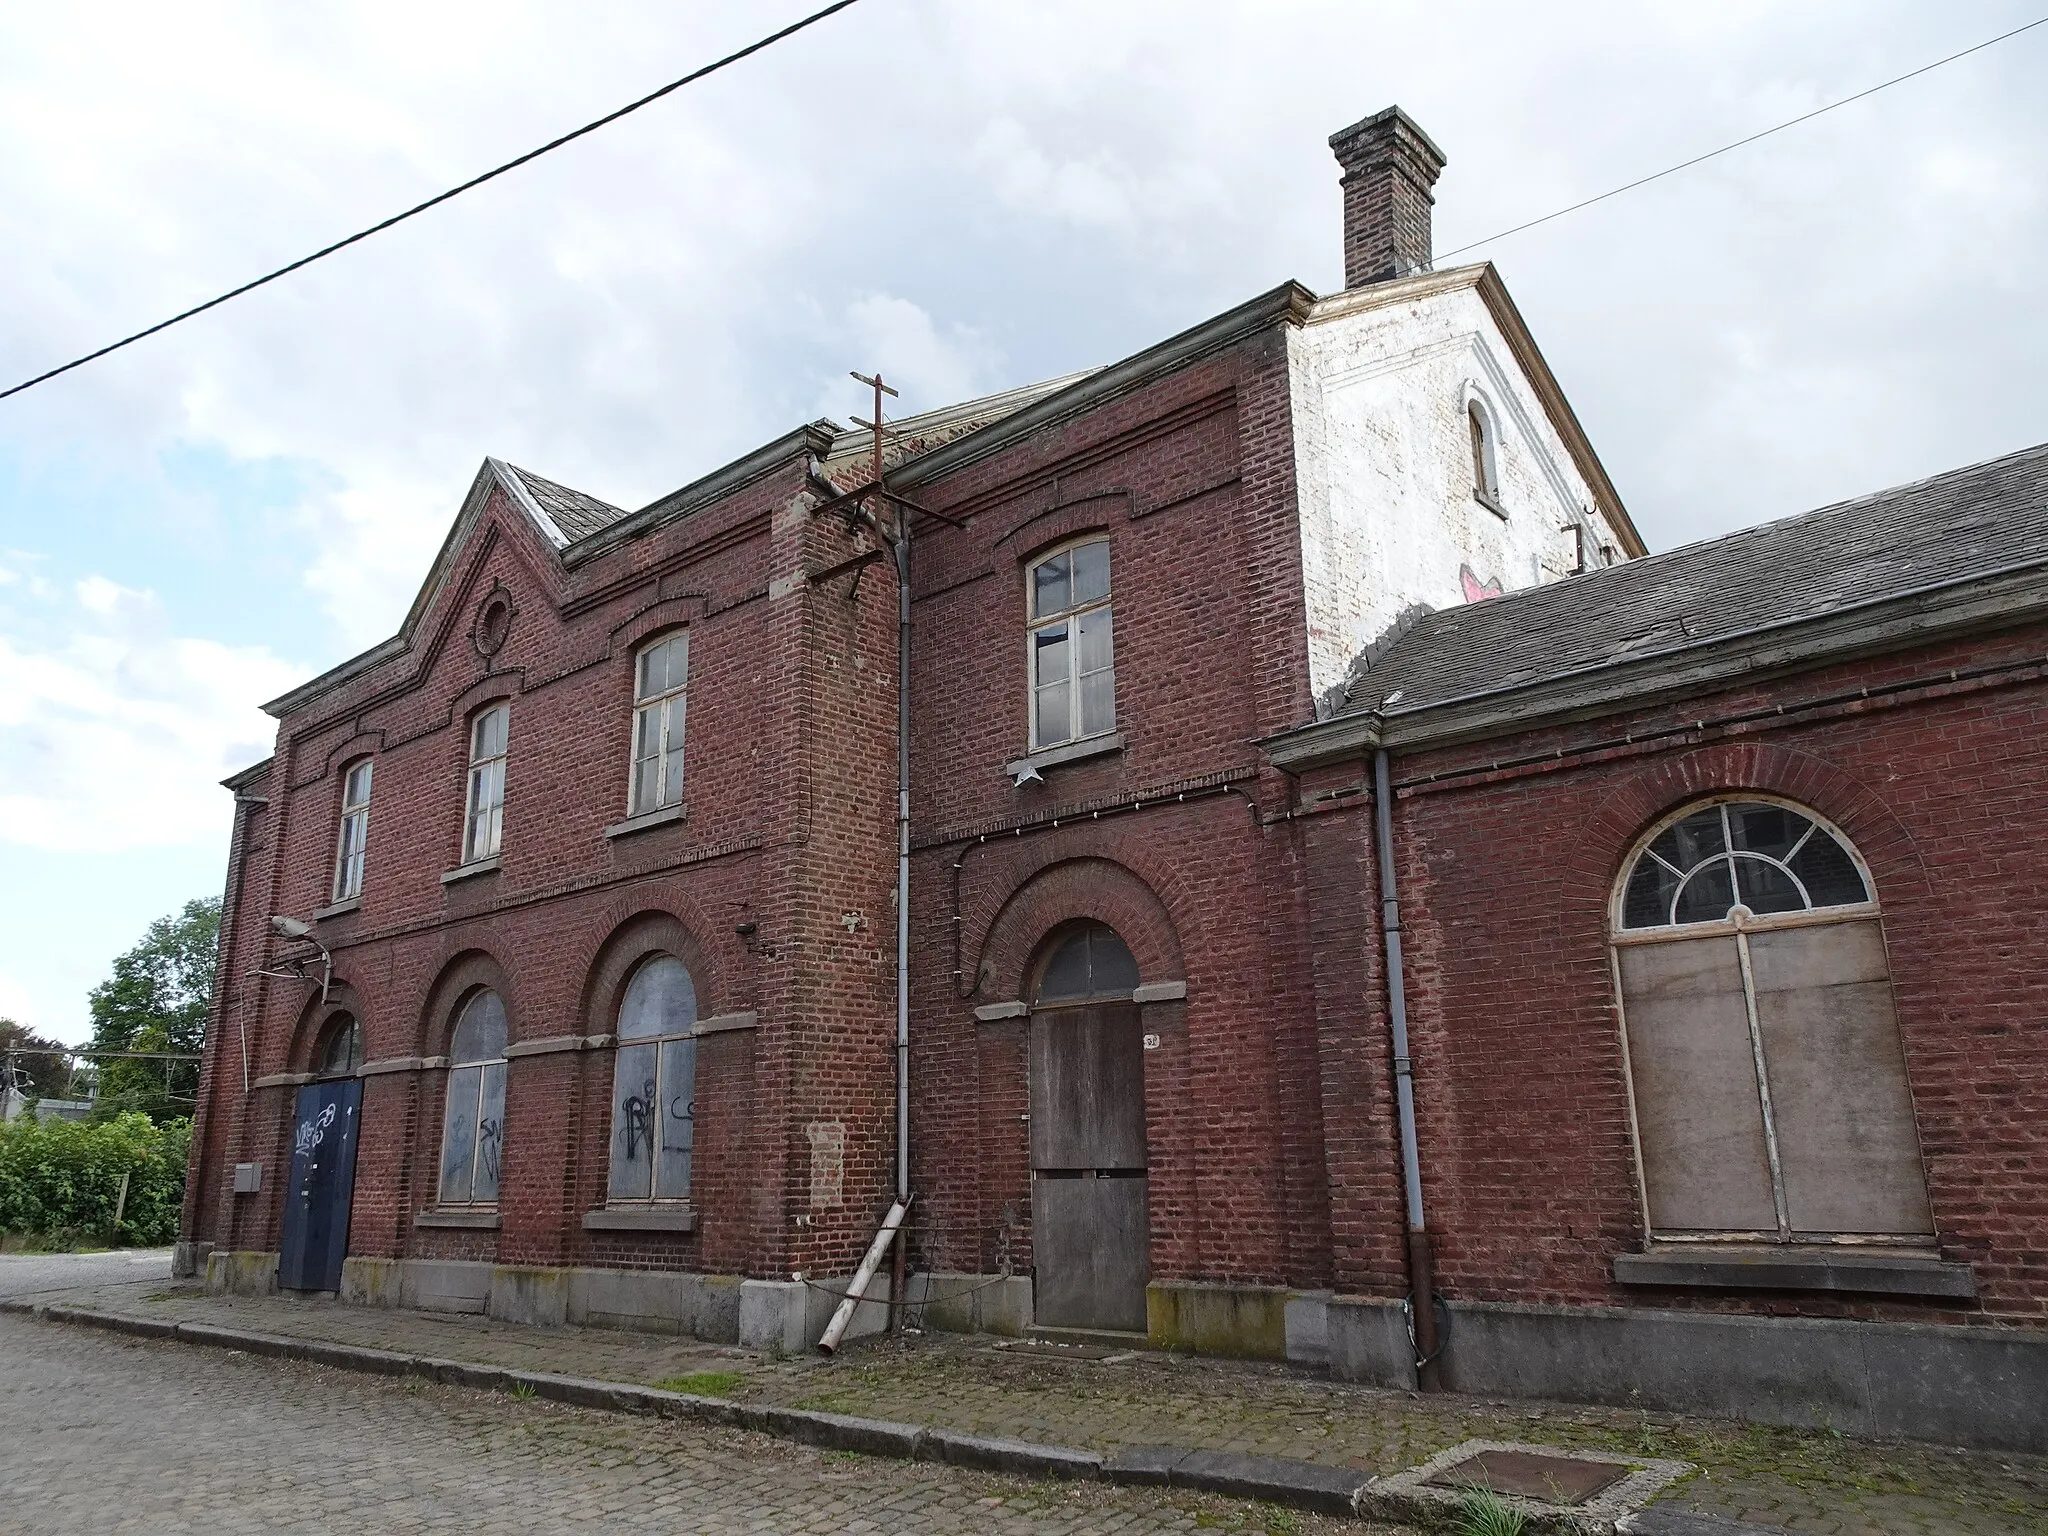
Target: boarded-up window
(1769,1082)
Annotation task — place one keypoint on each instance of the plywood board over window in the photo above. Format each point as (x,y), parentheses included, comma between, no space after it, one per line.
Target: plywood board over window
(1769,1085)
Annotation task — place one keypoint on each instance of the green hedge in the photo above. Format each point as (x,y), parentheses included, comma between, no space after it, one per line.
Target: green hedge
(59,1179)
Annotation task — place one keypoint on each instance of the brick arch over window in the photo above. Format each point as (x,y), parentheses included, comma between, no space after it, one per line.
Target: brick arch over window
(632,941)
(1079,888)
(1633,805)
(315,1017)
(463,974)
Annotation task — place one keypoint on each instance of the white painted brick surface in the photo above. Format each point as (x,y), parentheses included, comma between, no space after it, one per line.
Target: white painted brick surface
(1384,460)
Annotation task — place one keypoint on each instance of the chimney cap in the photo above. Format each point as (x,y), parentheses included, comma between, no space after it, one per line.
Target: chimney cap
(1384,129)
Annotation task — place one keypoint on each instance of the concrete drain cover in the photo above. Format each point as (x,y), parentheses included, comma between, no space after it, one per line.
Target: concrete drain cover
(1527,1475)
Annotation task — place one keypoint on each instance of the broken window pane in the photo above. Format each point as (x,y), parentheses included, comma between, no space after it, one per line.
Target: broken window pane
(1830,876)
(1051,585)
(1091,572)
(1687,842)
(1766,829)
(1764,887)
(1650,889)
(1708,894)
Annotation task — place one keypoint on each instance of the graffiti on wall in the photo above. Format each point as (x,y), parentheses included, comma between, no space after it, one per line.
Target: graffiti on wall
(1477,591)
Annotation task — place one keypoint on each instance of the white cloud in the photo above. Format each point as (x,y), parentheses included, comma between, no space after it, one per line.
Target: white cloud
(114,732)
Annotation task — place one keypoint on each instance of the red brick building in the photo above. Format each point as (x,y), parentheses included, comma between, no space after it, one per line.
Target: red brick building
(585,1004)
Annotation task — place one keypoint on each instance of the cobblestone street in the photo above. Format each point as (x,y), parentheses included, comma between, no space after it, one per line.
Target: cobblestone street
(100,1433)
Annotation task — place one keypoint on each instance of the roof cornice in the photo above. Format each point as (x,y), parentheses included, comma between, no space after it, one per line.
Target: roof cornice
(1288,304)
(1980,603)
(1562,418)
(493,474)
(811,439)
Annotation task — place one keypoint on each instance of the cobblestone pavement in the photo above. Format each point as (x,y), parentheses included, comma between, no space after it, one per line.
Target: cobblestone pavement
(1809,1481)
(102,1433)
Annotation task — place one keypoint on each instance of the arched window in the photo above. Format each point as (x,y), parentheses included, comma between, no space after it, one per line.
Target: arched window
(659,679)
(654,1082)
(341,1047)
(1766,1070)
(1485,456)
(1072,655)
(1087,961)
(473,1124)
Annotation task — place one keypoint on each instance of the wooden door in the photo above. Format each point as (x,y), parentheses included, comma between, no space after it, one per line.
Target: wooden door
(1090,1230)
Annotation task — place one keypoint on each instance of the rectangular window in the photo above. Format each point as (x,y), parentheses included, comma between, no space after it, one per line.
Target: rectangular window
(355,832)
(1072,655)
(658,699)
(485,821)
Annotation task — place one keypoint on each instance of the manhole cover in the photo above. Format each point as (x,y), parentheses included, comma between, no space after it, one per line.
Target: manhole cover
(1552,1479)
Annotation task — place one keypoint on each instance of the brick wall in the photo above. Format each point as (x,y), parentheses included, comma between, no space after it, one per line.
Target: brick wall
(1505,876)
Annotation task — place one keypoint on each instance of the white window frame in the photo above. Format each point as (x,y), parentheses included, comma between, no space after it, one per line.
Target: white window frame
(352,842)
(668,707)
(1486,466)
(1036,623)
(472,1094)
(657,1104)
(483,817)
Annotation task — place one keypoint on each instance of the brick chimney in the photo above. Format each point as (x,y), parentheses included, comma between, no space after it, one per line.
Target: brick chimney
(1389,167)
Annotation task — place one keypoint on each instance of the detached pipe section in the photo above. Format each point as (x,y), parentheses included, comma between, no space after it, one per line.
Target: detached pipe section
(858,1286)
(1421,1262)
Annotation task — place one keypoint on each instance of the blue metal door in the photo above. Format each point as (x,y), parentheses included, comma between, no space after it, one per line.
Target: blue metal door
(316,1200)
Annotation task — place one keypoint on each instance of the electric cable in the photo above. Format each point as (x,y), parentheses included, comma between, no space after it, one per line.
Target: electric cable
(1805,117)
(475,181)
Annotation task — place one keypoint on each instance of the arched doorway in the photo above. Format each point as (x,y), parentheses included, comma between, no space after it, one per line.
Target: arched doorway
(1765,1067)
(1090,1230)
(323,1176)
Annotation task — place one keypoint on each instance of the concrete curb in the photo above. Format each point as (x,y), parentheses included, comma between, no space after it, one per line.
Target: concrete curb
(1298,1484)
(1276,1480)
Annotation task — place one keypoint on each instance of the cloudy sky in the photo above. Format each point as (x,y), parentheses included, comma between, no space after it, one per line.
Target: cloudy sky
(968,193)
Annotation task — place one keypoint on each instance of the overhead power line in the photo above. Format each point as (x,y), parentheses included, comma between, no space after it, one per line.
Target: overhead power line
(1804,117)
(433,202)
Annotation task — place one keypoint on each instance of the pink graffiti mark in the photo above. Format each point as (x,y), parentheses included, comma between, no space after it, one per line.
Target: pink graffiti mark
(1477,591)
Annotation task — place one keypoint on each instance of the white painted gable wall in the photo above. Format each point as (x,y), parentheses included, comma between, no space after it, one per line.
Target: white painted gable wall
(1384,472)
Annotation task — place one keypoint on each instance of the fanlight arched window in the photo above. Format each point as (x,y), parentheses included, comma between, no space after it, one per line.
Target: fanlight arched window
(1087,961)
(654,1084)
(1762,855)
(473,1125)
(341,1047)
(1766,1070)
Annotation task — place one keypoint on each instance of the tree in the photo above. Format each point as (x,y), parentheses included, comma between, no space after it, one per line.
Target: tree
(39,1076)
(157,1000)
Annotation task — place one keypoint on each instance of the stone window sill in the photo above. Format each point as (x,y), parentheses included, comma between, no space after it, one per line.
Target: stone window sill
(641,1218)
(471,870)
(1066,752)
(668,815)
(1870,1272)
(475,1220)
(340,908)
(1491,503)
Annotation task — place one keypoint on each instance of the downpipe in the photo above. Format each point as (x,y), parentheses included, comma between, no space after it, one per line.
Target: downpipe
(892,1224)
(1421,1259)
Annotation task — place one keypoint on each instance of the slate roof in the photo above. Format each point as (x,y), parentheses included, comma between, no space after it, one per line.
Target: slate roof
(1945,529)
(575,514)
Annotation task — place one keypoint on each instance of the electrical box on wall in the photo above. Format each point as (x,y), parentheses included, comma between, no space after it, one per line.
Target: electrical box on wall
(248,1178)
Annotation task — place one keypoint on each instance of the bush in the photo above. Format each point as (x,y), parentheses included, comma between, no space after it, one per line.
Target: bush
(59,1180)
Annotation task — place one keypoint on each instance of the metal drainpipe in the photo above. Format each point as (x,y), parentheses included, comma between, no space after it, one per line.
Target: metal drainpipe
(1421,1267)
(898,1272)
